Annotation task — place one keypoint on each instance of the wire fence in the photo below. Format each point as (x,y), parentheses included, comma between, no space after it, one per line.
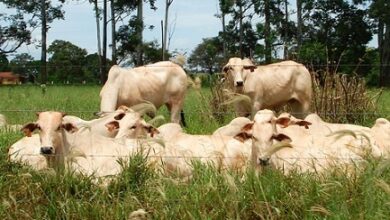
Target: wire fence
(194,157)
(191,111)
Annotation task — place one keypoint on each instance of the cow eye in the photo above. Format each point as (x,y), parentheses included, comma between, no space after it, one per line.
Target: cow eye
(133,127)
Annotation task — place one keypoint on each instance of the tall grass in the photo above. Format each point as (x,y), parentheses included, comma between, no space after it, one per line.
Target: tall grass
(342,98)
(210,194)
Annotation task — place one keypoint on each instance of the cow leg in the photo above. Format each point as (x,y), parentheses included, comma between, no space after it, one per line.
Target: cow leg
(241,110)
(175,108)
(255,107)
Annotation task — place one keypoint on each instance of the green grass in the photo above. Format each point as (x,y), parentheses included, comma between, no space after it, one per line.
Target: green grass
(26,194)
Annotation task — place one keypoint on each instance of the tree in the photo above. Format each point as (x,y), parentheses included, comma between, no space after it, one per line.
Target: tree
(330,24)
(4,62)
(225,6)
(66,61)
(23,64)
(42,12)
(164,45)
(379,10)
(207,56)
(99,49)
(14,33)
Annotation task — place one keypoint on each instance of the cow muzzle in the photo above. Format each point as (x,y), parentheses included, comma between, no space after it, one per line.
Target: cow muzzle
(47,150)
(239,83)
(264,161)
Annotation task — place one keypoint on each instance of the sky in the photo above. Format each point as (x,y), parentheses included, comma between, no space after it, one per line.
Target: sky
(194,21)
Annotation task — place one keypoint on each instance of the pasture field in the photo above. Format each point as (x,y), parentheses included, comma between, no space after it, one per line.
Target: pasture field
(210,194)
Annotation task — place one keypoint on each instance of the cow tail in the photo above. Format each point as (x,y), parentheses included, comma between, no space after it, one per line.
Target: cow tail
(182,119)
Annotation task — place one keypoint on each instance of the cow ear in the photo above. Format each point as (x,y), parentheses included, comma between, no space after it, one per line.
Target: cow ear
(281,137)
(29,128)
(70,127)
(243,136)
(251,68)
(302,123)
(284,121)
(226,68)
(113,125)
(153,131)
(247,128)
(119,116)
(123,108)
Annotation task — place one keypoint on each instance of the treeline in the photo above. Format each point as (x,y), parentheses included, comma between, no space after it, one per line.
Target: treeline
(325,35)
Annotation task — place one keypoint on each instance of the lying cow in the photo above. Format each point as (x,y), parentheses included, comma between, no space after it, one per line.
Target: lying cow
(381,134)
(270,86)
(225,152)
(159,83)
(61,144)
(315,151)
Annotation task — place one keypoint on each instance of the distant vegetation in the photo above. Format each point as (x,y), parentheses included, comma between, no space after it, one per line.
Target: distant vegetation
(324,35)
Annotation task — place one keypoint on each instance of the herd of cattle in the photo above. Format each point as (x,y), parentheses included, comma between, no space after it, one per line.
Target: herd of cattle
(298,141)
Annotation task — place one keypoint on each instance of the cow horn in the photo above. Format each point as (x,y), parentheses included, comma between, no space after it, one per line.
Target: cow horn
(158,120)
(145,108)
(236,97)
(275,148)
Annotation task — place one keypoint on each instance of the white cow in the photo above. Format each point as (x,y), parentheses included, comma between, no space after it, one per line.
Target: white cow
(288,146)
(27,151)
(82,151)
(233,128)
(223,151)
(159,83)
(381,134)
(270,86)
(361,138)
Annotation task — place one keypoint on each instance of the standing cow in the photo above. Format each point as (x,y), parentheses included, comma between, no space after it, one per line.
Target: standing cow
(270,86)
(159,83)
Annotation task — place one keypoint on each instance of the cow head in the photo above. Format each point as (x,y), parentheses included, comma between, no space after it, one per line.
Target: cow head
(264,134)
(236,69)
(50,128)
(131,125)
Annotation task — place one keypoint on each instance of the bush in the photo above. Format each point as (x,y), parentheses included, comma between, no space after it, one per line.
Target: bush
(342,98)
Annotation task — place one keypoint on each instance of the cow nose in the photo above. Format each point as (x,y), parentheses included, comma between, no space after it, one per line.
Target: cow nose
(264,161)
(239,83)
(47,150)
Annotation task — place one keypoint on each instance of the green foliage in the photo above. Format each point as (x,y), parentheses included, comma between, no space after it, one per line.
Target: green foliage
(66,61)
(129,45)
(207,56)
(23,64)
(3,62)
(14,31)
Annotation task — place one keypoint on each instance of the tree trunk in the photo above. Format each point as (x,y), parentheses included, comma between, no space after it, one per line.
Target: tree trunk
(224,34)
(286,31)
(104,56)
(43,42)
(384,77)
(113,34)
(299,24)
(139,60)
(165,28)
(267,32)
(241,31)
(99,49)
